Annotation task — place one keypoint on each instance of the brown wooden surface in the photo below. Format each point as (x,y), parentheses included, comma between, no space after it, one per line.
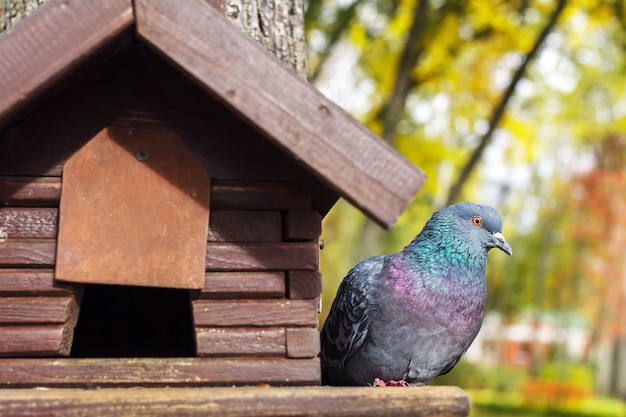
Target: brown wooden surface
(244,226)
(302,342)
(243,285)
(234,195)
(239,402)
(241,341)
(132,221)
(15,282)
(51,42)
(219,256)
(209,313)
(225,225)
(102,372)
(302,225)
(304,284)
(27,223)
(262,256)
(24,310)
(40,340)
(366,170)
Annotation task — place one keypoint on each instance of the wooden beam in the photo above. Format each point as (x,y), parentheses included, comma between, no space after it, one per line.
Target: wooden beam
(238,402)
(35,310)
(33,282)
(52,42)
(220,256)
(40,340)
(241,341)
(303,342)
(302,225)
(105,372)
(304,284)
(266,313)
(231,195)
(262,256)
(298,118)
(258,284)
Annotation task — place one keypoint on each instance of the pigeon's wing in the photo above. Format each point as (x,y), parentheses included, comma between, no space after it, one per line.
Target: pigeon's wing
(348,321)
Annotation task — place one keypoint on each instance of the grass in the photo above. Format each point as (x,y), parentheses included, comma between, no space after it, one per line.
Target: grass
(489,403)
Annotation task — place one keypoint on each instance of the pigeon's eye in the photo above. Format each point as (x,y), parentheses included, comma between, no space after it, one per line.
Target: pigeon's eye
(477,220)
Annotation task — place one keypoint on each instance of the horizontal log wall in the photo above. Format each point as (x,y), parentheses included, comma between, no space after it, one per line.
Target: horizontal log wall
(255,319)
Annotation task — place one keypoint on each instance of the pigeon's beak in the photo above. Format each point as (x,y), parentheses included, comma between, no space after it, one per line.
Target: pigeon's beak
(500,243)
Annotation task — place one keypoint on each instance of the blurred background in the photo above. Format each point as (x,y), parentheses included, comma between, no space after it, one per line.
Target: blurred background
(520,105)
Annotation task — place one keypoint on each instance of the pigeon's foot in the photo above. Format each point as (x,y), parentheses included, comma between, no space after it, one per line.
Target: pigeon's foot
(380,383)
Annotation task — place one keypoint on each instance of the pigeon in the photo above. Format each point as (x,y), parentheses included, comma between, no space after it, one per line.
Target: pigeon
(406,318)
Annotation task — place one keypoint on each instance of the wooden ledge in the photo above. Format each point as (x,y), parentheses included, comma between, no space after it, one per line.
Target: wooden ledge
(235,402)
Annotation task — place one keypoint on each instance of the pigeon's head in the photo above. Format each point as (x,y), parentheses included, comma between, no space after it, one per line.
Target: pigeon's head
(478,224)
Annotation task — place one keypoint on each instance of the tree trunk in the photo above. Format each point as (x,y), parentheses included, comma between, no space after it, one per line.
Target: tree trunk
(278,25)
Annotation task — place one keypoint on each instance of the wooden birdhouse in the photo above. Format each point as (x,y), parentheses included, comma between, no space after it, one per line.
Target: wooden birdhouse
(162,185)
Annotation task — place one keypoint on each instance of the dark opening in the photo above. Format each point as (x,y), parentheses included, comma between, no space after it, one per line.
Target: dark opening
(124,321)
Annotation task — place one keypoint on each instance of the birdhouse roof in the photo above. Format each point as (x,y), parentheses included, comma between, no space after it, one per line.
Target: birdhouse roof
(48,46)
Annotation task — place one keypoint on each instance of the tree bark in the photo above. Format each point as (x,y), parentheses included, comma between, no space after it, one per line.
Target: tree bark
(278,25)
(12,11)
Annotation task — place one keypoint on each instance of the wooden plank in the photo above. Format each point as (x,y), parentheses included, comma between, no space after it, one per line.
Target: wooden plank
(49,340)
(35,310)
(243,285)
(104,372)
(262,256)
(51,42)
(216,341)
(151,231)
(304,284)
(244,226)
(225,225)
(302,225)
(267,313)
(298,118)
(302,342)
(261,196)
(22,222)
(30,191)
(433,401)
(15,282)
(220,256)
(231,195)
(31,254)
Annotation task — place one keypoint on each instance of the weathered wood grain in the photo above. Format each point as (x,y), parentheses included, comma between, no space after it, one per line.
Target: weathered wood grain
(302,342)
(30,191)
(27,253)
(172,372)
(31,282)
(243,285)
(35,310)
(225,225)
(40,340)
(28,223)
(52,42)
(304,284)
(220,256)
(241,341)
(302,225)
(232,195)
(260,196)
(262,256)
(239,402)
(298,118)
(134,211)
(244,226)
(266,313)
